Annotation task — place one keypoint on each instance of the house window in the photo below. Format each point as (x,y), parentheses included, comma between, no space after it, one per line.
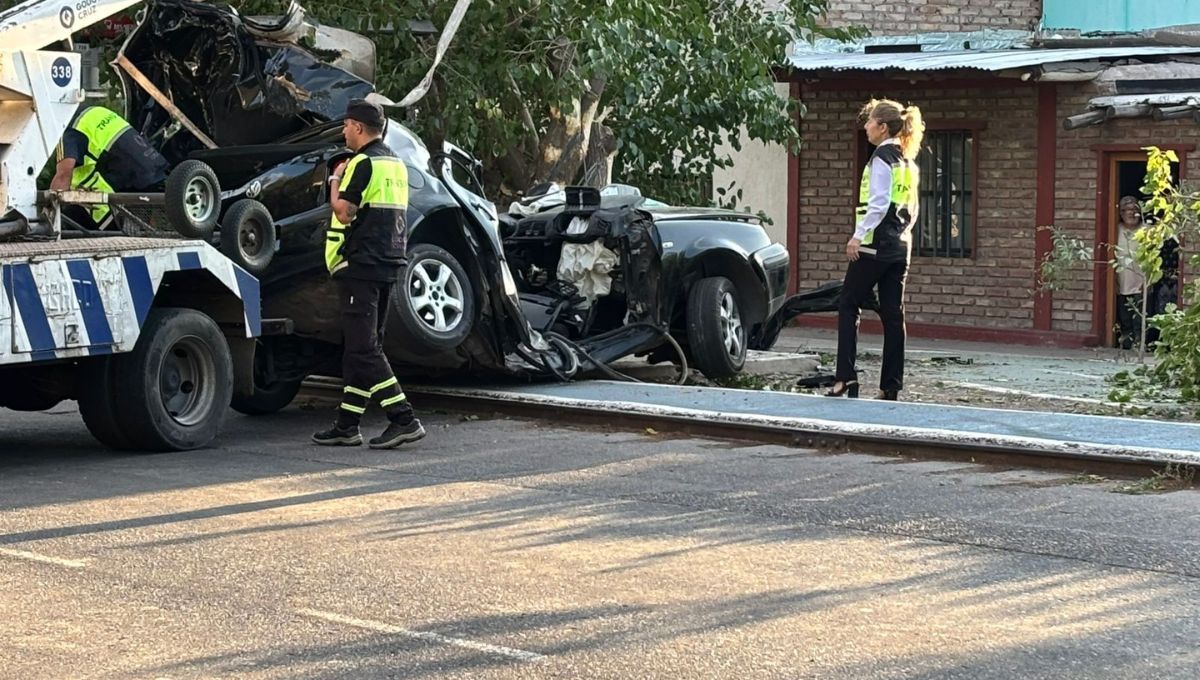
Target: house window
(945,224)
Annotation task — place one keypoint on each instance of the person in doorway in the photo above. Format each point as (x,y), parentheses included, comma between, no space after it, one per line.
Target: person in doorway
(1130,279)
(102,152)
(880,249)
(1166,290)
(364,252)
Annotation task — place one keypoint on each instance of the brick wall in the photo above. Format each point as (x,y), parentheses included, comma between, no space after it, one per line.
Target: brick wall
(992,289)
(922,16)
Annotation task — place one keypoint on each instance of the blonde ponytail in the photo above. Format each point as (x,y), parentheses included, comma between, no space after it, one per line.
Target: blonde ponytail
(905,124)
(912,131)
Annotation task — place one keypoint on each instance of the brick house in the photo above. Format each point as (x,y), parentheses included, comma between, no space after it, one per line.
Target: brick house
(997,88)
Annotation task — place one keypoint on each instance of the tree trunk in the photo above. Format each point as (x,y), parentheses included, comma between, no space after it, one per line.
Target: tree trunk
(601,152)
(566,143)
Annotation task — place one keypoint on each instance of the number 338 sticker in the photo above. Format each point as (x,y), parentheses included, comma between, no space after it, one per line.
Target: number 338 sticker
(61,72)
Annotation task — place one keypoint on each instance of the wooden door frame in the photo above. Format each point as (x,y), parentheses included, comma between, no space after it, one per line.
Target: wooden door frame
(1103,276)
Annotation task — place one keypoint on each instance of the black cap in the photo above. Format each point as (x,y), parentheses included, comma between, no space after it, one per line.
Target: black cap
(365,112)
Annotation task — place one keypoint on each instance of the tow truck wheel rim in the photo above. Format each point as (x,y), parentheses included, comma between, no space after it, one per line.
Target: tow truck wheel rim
(199,199)
(250,238)
(731,325)
(437,295)
(185,380)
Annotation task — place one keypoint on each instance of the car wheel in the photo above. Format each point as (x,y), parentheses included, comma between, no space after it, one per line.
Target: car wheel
(248,235)
(193,199)
(96,403)
(176,383)
(716,336)
(434,301)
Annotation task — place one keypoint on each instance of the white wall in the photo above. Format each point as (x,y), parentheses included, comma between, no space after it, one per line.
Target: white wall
(760,171)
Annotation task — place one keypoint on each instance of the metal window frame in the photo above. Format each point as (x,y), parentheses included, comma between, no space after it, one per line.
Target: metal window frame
(939,147)
(975,130)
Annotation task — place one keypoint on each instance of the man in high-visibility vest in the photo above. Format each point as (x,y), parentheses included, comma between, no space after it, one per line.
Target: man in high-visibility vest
(101,152)
(364,252)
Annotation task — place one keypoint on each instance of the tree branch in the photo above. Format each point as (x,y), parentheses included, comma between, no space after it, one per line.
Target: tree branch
(533,141)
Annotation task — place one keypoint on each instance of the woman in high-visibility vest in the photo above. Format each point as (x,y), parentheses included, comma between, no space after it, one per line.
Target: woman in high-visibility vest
(880,249)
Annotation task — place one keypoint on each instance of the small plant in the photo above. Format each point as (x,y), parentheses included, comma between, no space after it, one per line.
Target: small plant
(1066,254)
(1173,477)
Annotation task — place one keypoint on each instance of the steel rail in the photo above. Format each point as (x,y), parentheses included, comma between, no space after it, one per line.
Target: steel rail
(822,441)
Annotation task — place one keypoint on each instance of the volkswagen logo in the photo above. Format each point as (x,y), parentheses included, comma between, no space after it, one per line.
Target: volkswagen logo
(66,16)
(254,189)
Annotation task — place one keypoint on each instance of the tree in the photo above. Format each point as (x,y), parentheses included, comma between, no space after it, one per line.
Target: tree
(1177,352)
(560,90)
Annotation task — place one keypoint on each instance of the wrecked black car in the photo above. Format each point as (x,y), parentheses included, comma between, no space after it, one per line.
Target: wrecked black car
(559,289)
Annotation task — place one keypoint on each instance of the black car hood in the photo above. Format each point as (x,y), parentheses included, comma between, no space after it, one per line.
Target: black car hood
(236,87)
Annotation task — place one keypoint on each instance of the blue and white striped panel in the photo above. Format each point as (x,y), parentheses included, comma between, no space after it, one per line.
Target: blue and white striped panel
(67,308)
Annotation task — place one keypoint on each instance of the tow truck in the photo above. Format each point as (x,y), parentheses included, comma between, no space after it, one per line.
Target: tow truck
(152,336)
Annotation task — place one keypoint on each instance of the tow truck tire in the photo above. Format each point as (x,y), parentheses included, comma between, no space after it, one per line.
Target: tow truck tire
(716,336)
(26,396)
(267,399)
(98,402)
(176,384)
(433,300)
(193,199)
(248,235)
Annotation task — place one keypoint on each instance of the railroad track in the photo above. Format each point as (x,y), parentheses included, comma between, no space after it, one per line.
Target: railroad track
(820,435)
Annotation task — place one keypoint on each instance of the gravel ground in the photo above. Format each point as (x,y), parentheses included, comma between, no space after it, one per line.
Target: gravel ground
(986,375)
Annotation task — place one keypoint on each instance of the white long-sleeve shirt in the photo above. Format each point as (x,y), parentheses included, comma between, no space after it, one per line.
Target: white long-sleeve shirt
(1130,278)
(879,194)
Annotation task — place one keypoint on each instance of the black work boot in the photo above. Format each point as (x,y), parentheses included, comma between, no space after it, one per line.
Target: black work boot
(338,436)
(398,433)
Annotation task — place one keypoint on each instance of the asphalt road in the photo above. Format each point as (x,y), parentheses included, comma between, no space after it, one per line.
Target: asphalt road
(514,549)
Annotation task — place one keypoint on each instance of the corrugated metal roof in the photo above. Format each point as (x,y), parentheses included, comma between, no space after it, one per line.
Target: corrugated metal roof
(983,60)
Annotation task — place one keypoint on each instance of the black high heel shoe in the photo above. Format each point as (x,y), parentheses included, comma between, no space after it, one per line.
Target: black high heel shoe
(848,389)
(888,395)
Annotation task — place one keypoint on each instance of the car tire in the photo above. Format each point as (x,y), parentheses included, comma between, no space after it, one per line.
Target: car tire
(176,384)
(248,235)
(97,405)
(433,300)
(716,336)
(193,199)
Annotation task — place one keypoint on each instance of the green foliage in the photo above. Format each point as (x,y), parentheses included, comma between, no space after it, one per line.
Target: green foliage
(1066,254)
(525,78)
(1177,353)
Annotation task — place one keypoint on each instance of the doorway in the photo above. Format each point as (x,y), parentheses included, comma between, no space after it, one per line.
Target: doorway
(1125,173)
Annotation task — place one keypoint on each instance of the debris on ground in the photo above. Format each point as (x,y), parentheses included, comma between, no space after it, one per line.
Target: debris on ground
(1009,382)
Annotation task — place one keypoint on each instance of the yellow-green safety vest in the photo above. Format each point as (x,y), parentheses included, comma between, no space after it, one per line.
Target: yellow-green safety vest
(896,222)
(387,191)
(102,127)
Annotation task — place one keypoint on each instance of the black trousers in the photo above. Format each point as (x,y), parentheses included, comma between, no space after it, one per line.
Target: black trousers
(1129,319)
(365,369)
(863,275)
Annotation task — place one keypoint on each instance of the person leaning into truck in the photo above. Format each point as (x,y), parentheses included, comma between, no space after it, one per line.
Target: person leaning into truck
(102,152)
(364,252)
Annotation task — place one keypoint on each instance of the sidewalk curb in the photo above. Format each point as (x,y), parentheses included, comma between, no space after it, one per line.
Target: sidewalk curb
(900,436)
